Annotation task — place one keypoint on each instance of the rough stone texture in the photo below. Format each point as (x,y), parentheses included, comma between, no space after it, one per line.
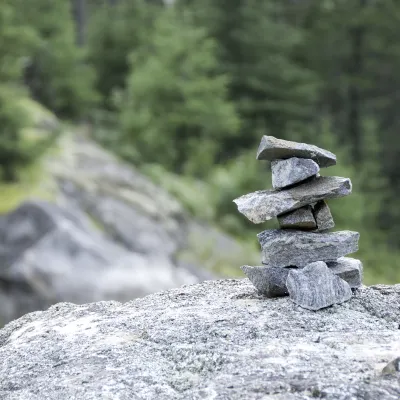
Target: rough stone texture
(315,287)
(393,367)
(50,254)
(323,216)
(216,340)
(269,281)
(283,248)
(293,170)
(302,218)
(272,148)
(263,205)
(349,269)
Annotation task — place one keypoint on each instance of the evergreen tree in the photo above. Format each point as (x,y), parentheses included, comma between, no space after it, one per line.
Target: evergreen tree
(273,92)
(56,74)
(115,30)
(14,41)
(174,110)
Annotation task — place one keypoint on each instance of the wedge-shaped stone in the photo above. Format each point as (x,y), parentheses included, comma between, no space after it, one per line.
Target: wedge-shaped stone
(349,269)
(293,170)
(316,286)
(284,248)
(272,149)
(264,205)
(269,281)
(302,218)
(323,216)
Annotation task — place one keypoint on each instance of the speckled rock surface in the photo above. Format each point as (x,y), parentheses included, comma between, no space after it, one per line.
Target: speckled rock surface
(293,170)
(272,148)
(302,218)
(284,248)
(263,205)
(316,286)
(216,340)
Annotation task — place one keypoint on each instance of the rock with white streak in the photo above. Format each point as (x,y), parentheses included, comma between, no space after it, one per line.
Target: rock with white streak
(272,149)
(349,269)
(291,171)
(302,218)
(323,216)
(284,248)
(269,281)
(316,286)
(263,205)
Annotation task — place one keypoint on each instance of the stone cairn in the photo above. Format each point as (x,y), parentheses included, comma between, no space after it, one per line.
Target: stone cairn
(302,259)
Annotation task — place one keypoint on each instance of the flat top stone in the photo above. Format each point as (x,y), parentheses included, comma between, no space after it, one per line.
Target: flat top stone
(272,148)
(263,205)
(215,340)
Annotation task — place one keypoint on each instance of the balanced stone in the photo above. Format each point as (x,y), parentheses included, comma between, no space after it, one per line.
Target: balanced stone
(349,269)
(263,205)
(302,218)
(323,216)
(293,170)
(269,281)
(284,248)
(272,149)
(316,286)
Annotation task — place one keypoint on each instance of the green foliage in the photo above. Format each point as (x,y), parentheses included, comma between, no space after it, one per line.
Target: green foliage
(114,32)
(55,72)
(174,110)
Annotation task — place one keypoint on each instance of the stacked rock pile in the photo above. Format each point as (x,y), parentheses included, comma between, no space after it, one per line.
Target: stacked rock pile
(302,259)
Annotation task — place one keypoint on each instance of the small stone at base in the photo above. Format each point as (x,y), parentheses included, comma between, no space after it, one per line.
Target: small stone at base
(316,286)
(349,269)
(269,281)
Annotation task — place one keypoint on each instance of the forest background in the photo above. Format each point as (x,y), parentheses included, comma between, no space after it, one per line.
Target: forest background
(184,90)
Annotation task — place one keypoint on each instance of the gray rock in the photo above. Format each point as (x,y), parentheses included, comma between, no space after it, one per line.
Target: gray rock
(315,287)
(218,339)
(264,205)
(349,269)
(293,170)
(283,248)
(272,148)
(269,281)
(393,367)
(49,254)
(302,218)
(323,216)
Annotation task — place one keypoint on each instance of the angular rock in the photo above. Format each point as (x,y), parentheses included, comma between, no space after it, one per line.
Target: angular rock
(315,287)
(349,269)
(284,248)
(263,205)
(302,218)
(272,149)
(269,281)
(392,367)
(323,216)
(293,170)
(215,340)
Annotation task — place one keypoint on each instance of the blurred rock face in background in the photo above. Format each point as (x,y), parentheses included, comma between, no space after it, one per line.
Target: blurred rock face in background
(110,234)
